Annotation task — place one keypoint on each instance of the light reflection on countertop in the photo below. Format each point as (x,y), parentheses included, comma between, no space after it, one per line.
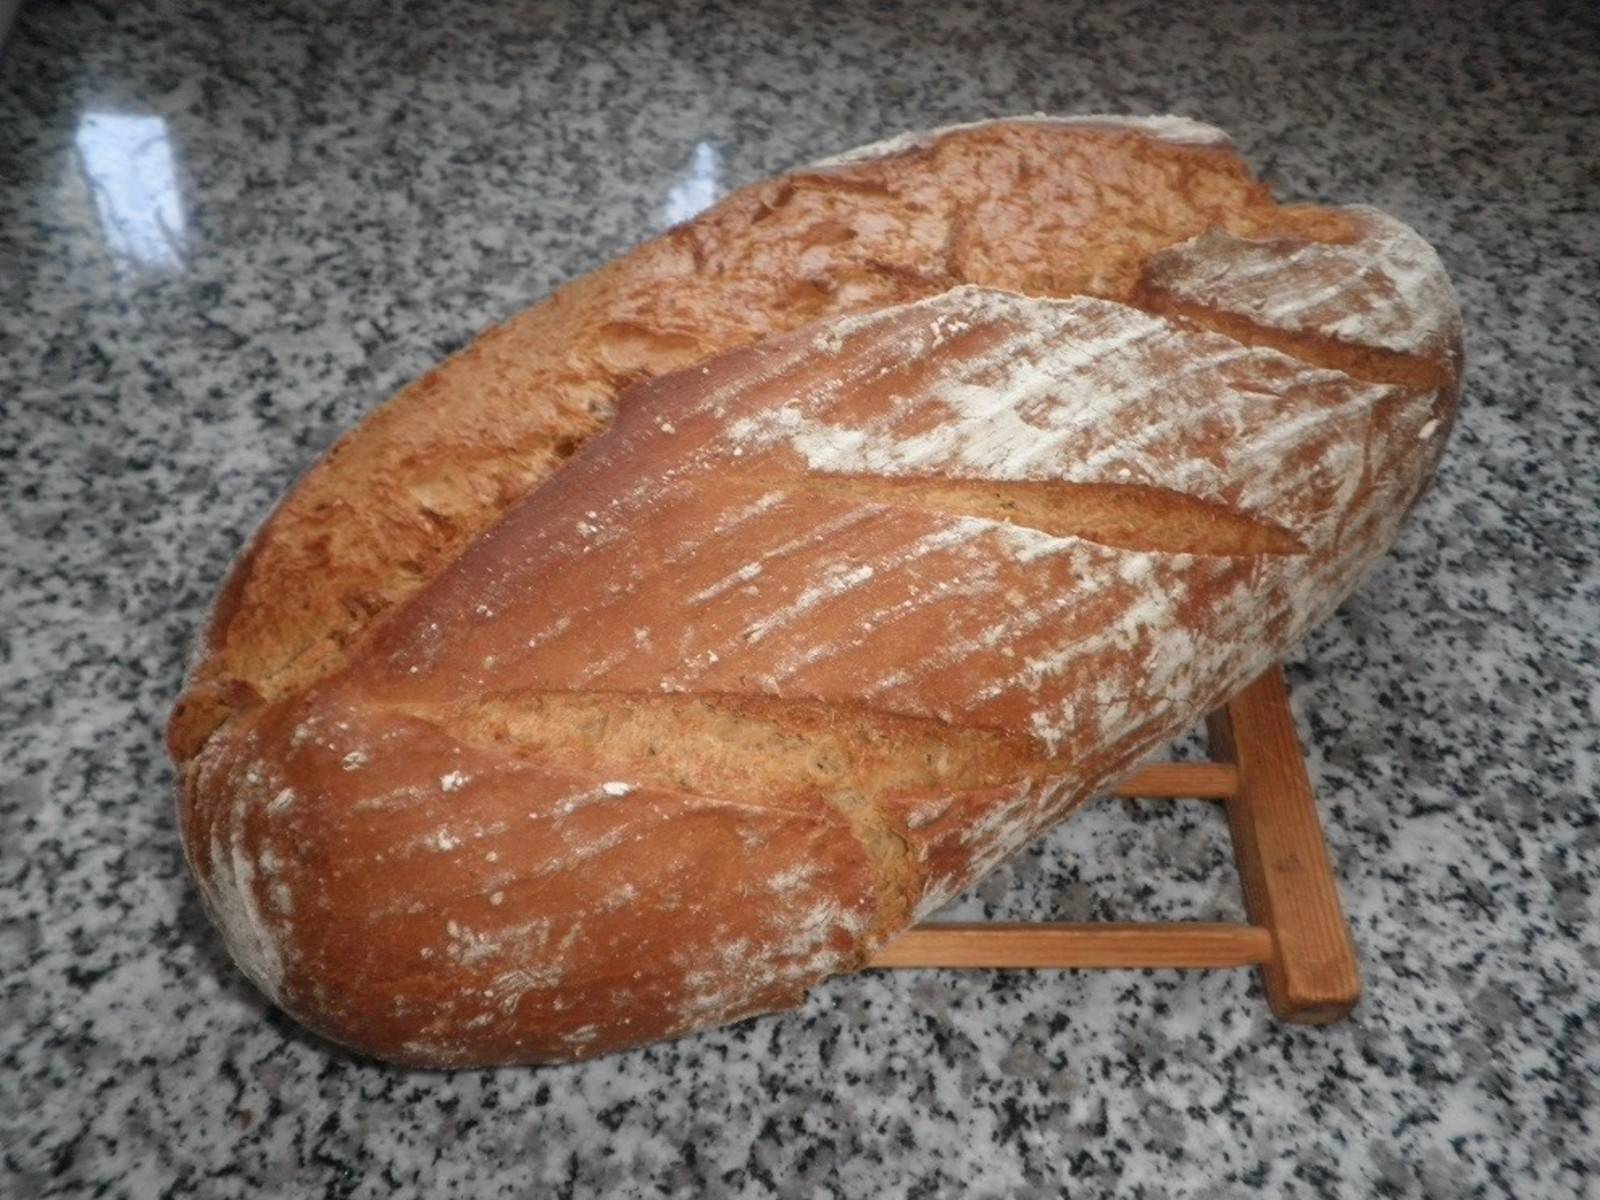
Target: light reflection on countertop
(699,189)
(130,167)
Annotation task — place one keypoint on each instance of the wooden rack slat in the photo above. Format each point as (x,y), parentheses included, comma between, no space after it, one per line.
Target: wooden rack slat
(1201,781)
(1060,945)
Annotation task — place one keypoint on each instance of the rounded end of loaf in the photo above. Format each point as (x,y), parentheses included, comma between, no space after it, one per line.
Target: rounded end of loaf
(431,901)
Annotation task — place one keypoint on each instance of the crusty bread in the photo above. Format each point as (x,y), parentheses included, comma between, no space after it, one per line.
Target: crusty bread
(943,481)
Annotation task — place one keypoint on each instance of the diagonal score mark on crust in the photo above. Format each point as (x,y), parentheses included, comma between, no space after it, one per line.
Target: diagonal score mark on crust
(1367,364)
(1124,516)
(725,744)
(849,756)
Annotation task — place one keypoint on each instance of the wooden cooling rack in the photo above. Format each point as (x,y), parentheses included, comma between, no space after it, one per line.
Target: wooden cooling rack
(1296,933)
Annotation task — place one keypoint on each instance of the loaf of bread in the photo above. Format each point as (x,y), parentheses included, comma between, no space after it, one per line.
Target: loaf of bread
(687,637)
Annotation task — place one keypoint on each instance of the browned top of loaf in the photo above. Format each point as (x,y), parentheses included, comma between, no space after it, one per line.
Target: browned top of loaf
(1038,208)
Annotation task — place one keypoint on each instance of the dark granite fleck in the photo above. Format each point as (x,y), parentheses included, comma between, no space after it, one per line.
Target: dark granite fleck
(227,230)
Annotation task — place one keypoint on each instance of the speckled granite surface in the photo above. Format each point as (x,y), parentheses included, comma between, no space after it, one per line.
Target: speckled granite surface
(225,231)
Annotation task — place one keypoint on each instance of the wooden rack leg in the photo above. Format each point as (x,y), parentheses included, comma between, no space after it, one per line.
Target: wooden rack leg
(1312,976)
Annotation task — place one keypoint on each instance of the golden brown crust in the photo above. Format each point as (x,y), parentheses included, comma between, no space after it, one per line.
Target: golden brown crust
(827,622)
(1037,208)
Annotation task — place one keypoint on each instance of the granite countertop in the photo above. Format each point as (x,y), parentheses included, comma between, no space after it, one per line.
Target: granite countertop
(228,230)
